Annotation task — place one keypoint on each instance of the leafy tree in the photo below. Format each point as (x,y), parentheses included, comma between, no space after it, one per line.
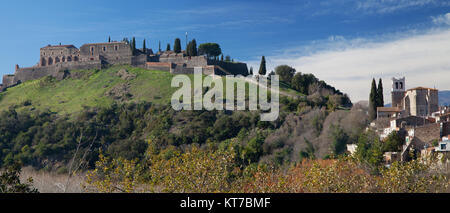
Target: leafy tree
(227,58)
(262,66)
(285,72)
(253,150)
(10,181)
(394,141)
(373,101)
(369,149)
(339,140)
(211,50)
(177,46)
(301,82)
(307,153)
(380,98)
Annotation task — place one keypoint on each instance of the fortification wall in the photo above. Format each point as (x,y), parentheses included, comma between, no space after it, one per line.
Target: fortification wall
(32,73)
(139,60)
(159,66)
(234,68)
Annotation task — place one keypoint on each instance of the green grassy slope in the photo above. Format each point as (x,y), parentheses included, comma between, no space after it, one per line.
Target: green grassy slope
(89,89)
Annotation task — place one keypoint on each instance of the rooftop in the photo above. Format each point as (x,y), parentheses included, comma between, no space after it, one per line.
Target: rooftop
(388,109)
(65,46)
(422,88)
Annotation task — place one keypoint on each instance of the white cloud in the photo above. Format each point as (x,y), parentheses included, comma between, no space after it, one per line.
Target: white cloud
(441,19)
(424,59)
(389,6)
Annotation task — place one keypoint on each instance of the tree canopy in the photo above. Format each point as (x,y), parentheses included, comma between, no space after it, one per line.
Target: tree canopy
(262,66)
(177,46)
(211,50)
(285,72)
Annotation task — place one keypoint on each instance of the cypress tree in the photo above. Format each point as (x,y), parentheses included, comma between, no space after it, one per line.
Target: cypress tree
(373,101)
(189,51)
(251,71)
(159,46)
(133,45)
(221,57)
(109,39)
(380,97)
(177,46)
(194,47)
(168,47)
(144,48)
(262,67)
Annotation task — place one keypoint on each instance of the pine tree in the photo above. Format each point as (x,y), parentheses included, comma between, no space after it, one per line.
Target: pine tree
(262,67)
(251,71)
(380,98)
(168,47)
(373,101)
(144,48)
(177,46)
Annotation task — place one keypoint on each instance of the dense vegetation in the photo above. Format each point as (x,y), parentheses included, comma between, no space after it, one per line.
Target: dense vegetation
(120,121)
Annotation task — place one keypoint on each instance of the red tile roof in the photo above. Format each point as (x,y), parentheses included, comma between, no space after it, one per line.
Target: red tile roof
(421,88)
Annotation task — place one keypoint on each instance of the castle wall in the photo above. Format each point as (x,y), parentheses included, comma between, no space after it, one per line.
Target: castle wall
(234,68)
(110,53)
(7,81)
(139,60)
(32,73)
(159,66)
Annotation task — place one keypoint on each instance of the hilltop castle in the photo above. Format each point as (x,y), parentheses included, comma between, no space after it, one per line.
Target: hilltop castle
(56,60)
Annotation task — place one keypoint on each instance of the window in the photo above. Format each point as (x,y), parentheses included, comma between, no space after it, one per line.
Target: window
(115,48)
(92,50)
(396,85)
(443,146)
(104,48)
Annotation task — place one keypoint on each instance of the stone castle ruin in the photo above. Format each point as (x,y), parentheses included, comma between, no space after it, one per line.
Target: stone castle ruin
(57,60)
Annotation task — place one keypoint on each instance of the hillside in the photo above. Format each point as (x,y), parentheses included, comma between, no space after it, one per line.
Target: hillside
(95,88)
(125,112)
(444,98)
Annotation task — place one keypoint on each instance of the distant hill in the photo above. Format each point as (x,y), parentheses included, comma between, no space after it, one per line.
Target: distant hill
(444,99)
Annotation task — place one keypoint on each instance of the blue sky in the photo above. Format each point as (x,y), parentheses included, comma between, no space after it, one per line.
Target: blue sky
(344,42)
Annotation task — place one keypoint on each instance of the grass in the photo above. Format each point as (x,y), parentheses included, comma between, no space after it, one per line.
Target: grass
(70,95)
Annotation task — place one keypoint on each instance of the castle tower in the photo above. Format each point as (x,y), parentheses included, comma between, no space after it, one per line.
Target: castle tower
(398,92)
